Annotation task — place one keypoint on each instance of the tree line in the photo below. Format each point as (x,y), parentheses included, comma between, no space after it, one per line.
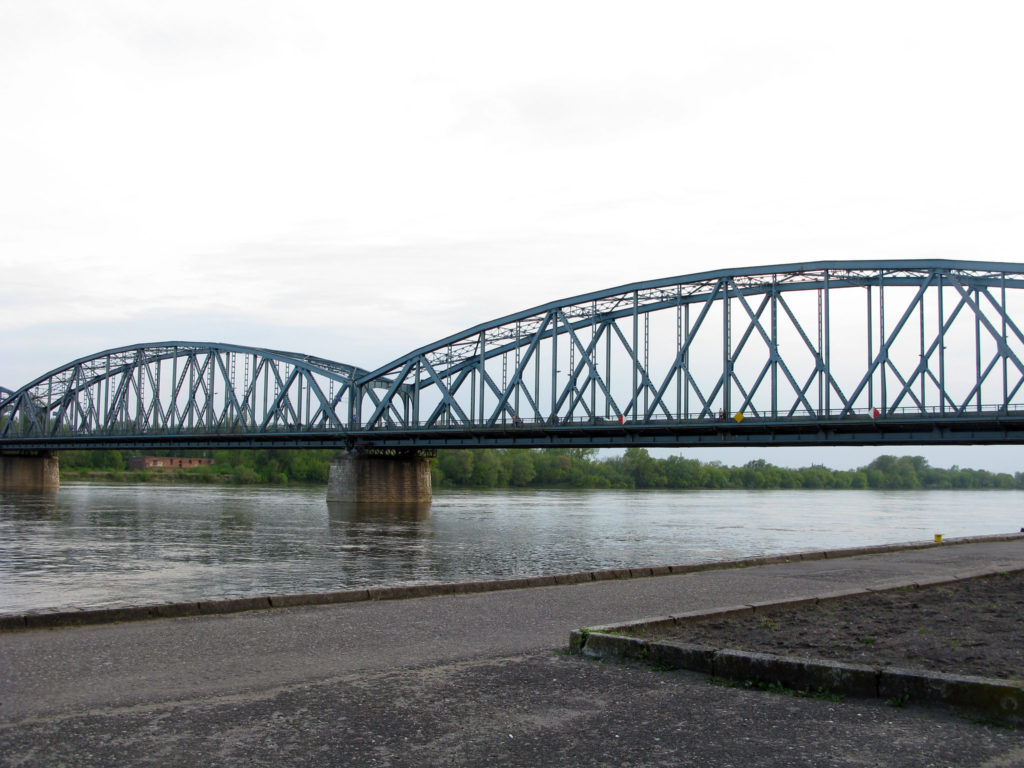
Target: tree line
(239,467)
(551,468)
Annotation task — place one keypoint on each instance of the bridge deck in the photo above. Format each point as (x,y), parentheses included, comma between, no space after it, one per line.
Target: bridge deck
(914,429)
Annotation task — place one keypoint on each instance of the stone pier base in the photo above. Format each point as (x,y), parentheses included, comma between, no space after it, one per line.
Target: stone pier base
(20,472)
(358,476)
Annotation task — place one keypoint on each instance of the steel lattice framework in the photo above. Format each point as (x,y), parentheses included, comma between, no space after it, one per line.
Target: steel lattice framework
(858,352)
(174,392)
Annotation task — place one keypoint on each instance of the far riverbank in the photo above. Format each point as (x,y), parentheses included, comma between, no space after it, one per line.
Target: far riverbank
(549,469)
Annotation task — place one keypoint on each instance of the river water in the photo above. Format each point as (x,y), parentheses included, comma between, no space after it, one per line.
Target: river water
(96,544)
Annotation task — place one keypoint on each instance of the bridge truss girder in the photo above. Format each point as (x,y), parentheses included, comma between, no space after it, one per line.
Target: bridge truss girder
(180,388)
(740,343)
(851,353)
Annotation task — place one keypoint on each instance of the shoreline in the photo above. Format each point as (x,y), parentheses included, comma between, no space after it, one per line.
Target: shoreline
(141,477)
(43,618)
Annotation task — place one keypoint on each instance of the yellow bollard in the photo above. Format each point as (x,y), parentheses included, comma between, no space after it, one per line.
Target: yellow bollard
(938,538)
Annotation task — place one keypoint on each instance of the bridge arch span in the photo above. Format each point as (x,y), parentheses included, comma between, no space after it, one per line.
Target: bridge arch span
(818,342)
(169,392)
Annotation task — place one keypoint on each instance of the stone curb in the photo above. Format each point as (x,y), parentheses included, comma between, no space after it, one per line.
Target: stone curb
(80,617)
(989,696)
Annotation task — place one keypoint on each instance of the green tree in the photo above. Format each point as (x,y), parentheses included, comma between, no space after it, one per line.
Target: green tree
(521,470)
(457,466)
(485,472)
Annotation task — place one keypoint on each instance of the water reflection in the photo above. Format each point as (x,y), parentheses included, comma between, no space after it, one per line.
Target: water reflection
(94,544)
(373,512)
(28,503)
(381,538)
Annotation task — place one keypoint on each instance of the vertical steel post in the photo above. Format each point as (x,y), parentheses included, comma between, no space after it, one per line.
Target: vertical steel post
(157,394)
(592,359)
(266,386)
(819,365)
(519,346)
(883,350)
(774,352)
(472,395)
(686,361)
(209,394)
(448,386)
(726,350)
(570,383)
(536,373)
(922,365)
(647,361)
(138,395)
(254,394)
(608,368)
(942,348)
(977,348)
(106,395)
(191,389)
(231,382)
(49,406)
(828,349)
(554,366)
(636,354)
(871,359)
(355,404)
(1002,341)
(483,363)
(504,383)
(679,349)
(416,393)
(172,416)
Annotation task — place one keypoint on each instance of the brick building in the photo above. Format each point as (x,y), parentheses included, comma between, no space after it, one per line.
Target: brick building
(166,462)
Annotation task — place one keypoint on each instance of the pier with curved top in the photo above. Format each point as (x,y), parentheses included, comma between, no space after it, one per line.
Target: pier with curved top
(824,353)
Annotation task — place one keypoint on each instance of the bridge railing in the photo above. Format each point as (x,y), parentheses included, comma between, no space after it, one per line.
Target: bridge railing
(902,413)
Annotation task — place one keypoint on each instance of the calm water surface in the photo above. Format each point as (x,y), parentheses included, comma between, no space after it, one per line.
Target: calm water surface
(95,544)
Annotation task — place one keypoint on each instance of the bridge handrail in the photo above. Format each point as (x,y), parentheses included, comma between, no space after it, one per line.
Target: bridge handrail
(696,417)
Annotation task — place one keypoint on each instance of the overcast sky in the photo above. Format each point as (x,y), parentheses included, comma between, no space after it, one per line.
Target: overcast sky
(355,180)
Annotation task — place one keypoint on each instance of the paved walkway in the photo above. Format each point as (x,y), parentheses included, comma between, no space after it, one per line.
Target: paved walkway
(464,680)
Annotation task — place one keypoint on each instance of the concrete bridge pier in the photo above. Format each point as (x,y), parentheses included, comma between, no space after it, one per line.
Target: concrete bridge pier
(38,472)
(380,475)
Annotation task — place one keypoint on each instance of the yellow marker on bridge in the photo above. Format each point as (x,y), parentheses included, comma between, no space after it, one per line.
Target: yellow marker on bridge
(738,417)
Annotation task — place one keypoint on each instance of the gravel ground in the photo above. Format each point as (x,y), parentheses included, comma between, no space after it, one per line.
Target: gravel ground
(971,627)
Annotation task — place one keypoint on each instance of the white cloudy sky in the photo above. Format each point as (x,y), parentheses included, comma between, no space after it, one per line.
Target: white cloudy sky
(354,180)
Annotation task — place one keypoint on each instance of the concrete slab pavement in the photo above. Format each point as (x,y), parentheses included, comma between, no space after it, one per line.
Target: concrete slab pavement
(437,680)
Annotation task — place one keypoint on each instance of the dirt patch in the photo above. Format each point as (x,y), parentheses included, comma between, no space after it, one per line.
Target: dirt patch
(971,627)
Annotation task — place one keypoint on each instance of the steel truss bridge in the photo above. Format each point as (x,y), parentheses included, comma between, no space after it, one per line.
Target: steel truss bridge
(831,353)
